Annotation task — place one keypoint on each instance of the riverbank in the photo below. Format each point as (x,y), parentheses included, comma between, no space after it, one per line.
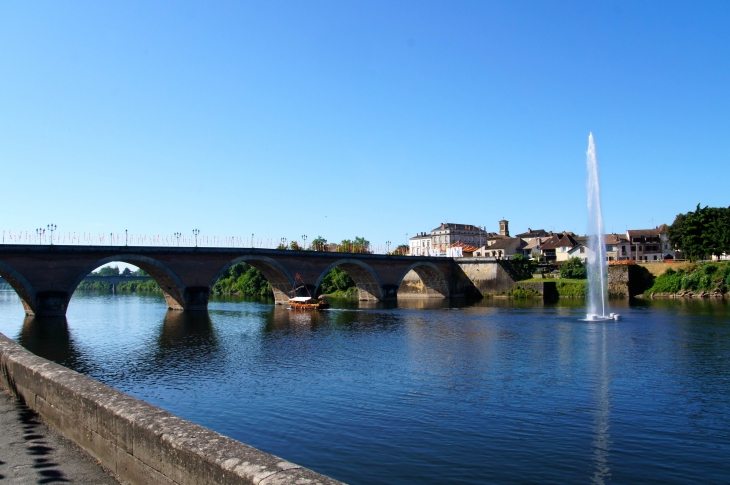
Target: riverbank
(565,288)
(694,280)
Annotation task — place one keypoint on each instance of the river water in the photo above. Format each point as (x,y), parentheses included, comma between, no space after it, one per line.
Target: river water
(423,392)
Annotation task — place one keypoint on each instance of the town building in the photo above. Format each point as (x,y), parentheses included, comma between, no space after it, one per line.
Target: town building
(558,246)
(447,234)
(649,244)
(504,248)
(532,235)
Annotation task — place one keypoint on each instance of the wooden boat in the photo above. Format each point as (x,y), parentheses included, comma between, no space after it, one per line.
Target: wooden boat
(307,303)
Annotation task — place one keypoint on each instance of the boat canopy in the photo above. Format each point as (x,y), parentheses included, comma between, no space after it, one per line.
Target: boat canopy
(301,299)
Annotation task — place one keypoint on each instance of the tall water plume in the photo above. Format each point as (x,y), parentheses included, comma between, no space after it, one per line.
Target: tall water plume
(597,267)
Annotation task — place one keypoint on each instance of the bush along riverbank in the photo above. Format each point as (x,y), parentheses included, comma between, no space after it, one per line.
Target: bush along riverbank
(124,286)
(244,279)
(339,284)
(699,280)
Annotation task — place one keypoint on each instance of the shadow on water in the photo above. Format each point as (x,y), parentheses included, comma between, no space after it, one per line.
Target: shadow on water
(49,337)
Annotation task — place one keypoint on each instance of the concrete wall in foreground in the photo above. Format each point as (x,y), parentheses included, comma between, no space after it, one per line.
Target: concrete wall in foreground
(139,442)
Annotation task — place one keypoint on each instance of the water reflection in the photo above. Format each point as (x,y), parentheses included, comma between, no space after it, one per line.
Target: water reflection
(187,341)
(494,391)
(49,337)
(601,420)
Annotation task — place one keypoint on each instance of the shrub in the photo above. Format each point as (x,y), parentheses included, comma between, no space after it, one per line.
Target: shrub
(669,282)
(573,269)
(523,292)
(575,289)
(523,266)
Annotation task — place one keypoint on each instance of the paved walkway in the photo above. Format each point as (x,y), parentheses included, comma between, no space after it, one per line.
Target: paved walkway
(31,452)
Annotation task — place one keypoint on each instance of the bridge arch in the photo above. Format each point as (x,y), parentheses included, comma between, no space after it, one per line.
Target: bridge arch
(431,282)
(366,279)
(22,287)
(278,277)
(172,288)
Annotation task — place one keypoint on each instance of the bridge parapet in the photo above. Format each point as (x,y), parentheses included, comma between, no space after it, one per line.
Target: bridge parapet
(45,277)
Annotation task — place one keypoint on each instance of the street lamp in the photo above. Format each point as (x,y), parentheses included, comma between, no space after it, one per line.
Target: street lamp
(51,228)
(177,236)
(387,243)
(111,239)
(252,240)
(304,236)
(195,233)
(126,237)
(40,232)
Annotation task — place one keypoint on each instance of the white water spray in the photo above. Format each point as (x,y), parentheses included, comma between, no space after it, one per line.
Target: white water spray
(597,267)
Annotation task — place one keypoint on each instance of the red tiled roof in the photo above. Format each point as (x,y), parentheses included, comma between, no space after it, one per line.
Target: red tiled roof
(466,248)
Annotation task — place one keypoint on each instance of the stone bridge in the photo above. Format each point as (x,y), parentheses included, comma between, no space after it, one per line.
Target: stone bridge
(45,277)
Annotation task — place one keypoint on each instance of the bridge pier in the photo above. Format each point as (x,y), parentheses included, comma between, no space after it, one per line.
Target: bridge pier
(196,298)
(49,304)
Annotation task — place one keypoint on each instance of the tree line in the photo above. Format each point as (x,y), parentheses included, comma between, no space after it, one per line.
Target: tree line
(244,279)
(701,233)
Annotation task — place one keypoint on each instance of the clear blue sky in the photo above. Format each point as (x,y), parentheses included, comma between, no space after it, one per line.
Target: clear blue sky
(346,118)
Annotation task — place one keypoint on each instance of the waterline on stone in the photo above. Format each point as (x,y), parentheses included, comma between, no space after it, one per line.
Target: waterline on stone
(596,266)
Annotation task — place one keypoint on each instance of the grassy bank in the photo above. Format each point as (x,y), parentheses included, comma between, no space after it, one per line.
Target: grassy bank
(566,287)
(696,277)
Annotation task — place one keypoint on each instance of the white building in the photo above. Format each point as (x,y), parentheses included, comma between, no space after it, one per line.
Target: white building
(448,233)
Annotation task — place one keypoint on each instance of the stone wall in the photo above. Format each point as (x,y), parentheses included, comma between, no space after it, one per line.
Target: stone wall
(482,276)
(618,282)
(470,277)
(548,289)
(139,442)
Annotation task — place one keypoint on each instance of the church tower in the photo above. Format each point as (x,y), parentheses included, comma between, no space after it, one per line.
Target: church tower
(504,228)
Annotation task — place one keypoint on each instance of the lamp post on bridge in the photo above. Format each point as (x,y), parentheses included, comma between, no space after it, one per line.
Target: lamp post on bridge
(40,232)
(126,237)
(304,236)
(252,246)
(387,244)
(51,228)
(177,236)
(195,233)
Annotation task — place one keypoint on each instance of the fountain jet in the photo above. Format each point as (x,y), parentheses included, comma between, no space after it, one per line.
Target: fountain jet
(597,265)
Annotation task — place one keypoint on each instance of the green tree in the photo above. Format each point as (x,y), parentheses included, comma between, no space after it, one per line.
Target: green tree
(127,272)
(242,279)
(108,271)
(358,245)
(701,233)
(337,280)
(523,266)
(573,269)
(319,244)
